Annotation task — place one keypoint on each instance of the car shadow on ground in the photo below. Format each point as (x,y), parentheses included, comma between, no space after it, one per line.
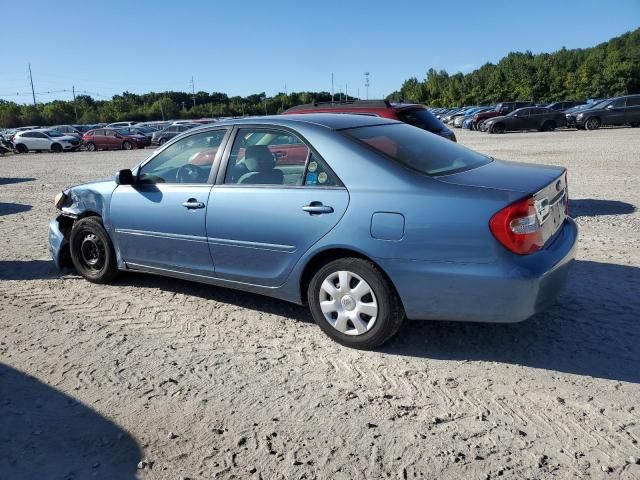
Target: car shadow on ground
(591,207)
(250,301)
(11,208)
(9,180)
(593,330)
(28,270)
(47,434)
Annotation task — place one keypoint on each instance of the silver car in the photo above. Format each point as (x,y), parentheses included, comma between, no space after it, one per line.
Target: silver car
(45,140)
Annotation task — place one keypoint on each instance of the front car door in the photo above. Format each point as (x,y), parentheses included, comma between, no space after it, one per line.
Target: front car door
(519,120)
(159,223)
(616,112)
(267,209)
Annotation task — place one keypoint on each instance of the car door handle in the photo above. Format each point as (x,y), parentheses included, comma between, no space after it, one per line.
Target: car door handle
(317,208)
(193,203)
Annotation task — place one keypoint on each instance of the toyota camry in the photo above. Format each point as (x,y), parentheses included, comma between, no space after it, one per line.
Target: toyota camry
(368,221)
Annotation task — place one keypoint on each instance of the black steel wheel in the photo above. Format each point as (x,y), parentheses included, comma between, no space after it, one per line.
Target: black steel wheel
(92,252)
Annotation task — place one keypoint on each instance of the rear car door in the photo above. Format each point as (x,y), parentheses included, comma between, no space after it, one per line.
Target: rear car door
(159,222)
(264,212)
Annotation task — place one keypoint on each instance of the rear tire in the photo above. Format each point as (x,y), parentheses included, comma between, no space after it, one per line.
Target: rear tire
(549,126)
(592,123)
(363,313)
(635,124)
(498,128)
(126,145)
(21,148)
(92,252)
(56,148)
(91,147)
(162,141)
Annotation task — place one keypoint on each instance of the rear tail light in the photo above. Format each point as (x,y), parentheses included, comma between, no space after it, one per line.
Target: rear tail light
(517,227)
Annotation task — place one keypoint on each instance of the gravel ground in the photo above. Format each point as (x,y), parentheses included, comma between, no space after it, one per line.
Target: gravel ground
(156,378)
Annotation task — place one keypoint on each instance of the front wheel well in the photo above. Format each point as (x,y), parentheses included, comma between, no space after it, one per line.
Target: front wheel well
(326,256)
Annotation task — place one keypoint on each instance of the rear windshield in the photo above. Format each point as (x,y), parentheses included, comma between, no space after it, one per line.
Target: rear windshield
(421,118)
(417,149)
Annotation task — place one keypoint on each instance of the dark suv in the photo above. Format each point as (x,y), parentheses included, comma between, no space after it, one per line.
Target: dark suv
(613,111)
(411,113)
(563,105)
(501,109)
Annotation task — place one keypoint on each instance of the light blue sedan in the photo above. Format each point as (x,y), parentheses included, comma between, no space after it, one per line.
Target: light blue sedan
(368,221)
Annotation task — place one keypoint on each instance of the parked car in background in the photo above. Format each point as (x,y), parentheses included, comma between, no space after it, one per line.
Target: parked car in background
(414,114)
(467,122)
(563,105)
(120,124)
(459,119)
(68,130)
(162,136)
(570,114)
(112,139)
(44,140)
(144,131)
(613,111)
(501,109)
(528,118)
(353,240)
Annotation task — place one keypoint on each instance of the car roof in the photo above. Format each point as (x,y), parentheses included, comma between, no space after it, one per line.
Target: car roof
(334,121)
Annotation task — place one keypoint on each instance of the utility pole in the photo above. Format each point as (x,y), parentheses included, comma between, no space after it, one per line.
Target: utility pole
(331,87)
(161,109)
(193,91)
(75,107)
(33,92)
(366,84)
(346,92)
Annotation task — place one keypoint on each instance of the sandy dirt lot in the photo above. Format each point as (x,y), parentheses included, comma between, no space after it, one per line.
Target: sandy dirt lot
(154,378)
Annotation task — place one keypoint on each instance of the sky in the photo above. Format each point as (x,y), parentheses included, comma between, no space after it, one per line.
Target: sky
(253,46)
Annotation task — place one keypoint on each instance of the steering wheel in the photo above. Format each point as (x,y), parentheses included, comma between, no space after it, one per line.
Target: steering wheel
(188,174)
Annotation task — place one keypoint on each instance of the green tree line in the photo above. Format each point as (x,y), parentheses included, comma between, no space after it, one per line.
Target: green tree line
(609,69)
(150,106)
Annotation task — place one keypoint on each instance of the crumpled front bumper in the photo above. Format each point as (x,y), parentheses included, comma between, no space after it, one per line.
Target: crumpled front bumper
(57,242)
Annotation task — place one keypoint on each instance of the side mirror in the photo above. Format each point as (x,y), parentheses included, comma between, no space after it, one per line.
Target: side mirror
(117,135)
(124,177)
(610,107)
(516,114)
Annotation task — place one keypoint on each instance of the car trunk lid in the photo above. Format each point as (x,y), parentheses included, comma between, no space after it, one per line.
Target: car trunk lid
(508,176)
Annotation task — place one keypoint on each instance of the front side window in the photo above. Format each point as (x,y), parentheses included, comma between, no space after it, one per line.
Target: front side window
(417,149)
(187,161)
(266,157)
(619,103)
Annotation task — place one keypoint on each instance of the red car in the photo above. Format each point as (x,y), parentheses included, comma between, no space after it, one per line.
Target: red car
(113,139)
(412,113)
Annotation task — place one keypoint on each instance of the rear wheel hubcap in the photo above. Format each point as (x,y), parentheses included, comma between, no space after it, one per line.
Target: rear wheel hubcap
(348,303)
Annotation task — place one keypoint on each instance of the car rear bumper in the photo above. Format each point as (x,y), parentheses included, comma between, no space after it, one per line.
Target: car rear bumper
(510,290)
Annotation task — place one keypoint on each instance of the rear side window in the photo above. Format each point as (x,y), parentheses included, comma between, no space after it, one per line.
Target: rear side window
(633,101)
(421,118)
(417,149)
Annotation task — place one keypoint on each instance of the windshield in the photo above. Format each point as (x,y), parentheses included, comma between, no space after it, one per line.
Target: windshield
(421,118)
(417,149)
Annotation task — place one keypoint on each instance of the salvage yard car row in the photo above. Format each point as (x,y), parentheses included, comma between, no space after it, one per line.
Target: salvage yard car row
(523,115)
